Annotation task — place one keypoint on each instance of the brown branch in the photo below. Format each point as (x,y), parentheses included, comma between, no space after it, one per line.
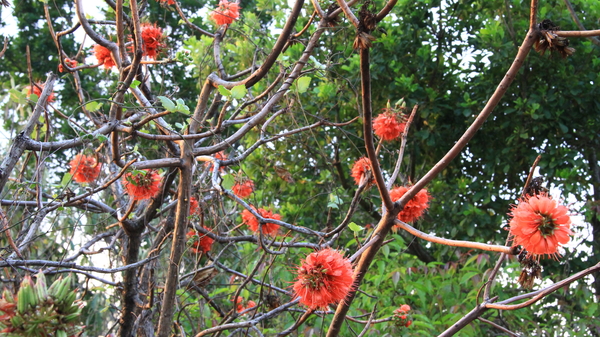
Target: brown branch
(344,6)
(499,327)
(20,142)
(455,243)
(167,310)
(385,10)
(594,40)
(5,47)
(365,75)
(544,292)
(577,33)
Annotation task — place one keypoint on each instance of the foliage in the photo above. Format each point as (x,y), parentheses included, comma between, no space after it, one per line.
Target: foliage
(294,128)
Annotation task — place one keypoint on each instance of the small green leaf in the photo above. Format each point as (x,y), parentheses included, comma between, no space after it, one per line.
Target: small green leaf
(223,91)
(238,91)
(101,138)
(302,84)
(34,98)
(181,107)
(66,179)
(93,106)
(167,103)
(228,181)
(355,228)
(135,84)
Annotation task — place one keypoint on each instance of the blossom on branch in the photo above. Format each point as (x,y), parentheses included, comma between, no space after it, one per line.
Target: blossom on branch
(360,168)
(415,208)
(201,243)
(325,277)
(540,225)
(142,185)
(220,156)
(169,2)
(252,222)
(389,125)
(226,13)
(37,90)
(401,316)
(194,206)
(104,56)
(84,168)
(152,37)
(68,62)
(243,189)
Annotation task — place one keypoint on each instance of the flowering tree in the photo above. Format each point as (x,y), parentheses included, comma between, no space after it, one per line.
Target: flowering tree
(191,168)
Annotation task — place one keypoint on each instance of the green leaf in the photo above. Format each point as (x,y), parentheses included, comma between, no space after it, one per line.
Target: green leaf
(93,106)
(223,91)
(101,138)
(467,277)
(238,91)
(355,228)
(66,179)
(181,107)
(167,103)
(34,98)
(302,84)
(135,84)
(386,251)
(228,181)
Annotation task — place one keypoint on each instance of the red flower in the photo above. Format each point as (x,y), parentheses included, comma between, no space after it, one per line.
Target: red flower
(152,36)
(388,125)
(401,316)
(252,222)
(220,156)
(201,242)
(360,168)
(324,277)
(38,92)
(142,185)
(68,62)
(194,206)
(244,189)
(85,169)
(104,56)
(540,225)
(170,2)
(415,208)
(226,13)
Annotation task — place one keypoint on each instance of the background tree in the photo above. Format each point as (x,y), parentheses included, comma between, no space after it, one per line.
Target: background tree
(184,184)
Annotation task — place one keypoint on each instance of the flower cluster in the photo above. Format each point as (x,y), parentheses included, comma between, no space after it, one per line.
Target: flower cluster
(360,168)
(401,316)
(252,222)
(540,225)
(84,168)
(104,56)
(243,189)
(142,184)
(201,243)
(226,13)
(38,310)
(415,208)
(389,125)
(152,37)
(239,307)
(169,2)
(37,90)
(68,62)
(219,156)
(325,277)
(194,206)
